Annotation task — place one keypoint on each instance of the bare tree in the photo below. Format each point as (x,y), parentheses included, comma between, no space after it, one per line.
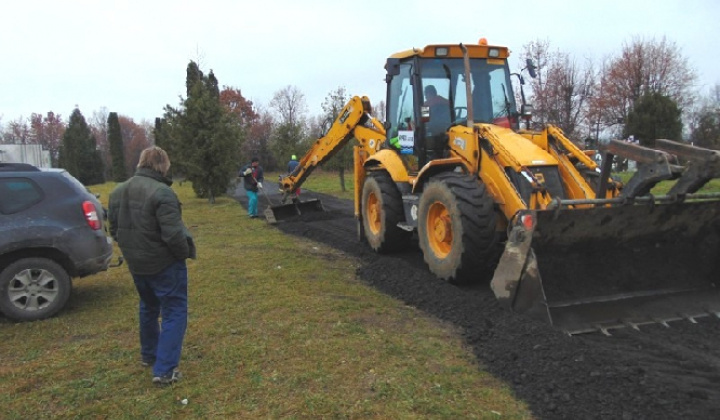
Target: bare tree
(48,132)
(258,139)
(644,66)
(561,89)
(569,86)
(291,129)
(332,105)
(135,140)
(539,52)
(99,128)
(378,110)
(19,132)
(290,105)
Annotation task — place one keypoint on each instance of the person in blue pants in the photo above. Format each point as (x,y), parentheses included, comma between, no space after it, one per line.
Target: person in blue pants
(146,221)
(252,175)
(164,293)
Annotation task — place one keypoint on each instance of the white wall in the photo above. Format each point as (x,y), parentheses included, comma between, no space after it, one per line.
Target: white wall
(25,153)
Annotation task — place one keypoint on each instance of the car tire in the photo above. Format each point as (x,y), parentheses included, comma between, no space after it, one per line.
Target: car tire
(33,288)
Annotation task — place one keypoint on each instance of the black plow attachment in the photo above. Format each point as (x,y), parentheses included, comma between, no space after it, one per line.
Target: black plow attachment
(274,214)
(600,268)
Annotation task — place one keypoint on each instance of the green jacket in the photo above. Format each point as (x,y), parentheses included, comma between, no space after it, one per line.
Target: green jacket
(146,221)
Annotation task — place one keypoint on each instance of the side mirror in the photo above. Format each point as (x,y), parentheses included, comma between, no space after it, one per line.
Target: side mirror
(392,67)
(526,114)
(526,111)
(531,67)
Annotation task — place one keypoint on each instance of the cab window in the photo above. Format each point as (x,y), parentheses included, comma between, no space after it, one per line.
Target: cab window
(400,101)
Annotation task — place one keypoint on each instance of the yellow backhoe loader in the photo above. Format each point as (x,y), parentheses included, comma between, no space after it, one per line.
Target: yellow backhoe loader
(556,235)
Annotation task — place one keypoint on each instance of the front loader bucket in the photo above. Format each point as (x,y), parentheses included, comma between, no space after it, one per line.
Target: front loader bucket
(595,269)
(274,214)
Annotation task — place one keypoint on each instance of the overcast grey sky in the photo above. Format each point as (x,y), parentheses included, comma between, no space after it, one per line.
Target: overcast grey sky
(130,56)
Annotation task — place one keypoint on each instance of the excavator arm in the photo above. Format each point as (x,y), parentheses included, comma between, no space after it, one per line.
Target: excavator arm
(354,121)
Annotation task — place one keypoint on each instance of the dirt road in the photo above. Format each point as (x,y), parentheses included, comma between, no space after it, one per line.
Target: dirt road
(654,373)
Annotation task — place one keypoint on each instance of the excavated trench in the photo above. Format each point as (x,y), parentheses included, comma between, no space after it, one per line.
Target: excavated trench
(653,373)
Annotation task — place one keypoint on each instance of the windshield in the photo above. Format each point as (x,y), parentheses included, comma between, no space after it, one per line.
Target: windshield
(444,83)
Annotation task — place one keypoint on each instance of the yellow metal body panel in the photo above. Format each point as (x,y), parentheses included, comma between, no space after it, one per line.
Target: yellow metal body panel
(359,156)
(463,143)
(514,150)
(497,182)
(387,159)
(433,167)
(390,161)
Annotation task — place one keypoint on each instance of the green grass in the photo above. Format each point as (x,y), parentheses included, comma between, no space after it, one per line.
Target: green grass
(662,188)
(329,183)
(279,327)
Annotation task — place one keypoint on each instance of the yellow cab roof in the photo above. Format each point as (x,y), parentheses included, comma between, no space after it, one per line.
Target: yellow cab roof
(454,51)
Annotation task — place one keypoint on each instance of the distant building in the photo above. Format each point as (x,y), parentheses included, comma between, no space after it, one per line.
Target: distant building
(25,153)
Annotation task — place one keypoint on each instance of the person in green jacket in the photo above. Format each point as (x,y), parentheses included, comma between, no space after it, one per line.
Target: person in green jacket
(146,221)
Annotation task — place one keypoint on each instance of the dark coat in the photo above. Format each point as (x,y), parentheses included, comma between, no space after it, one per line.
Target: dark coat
(292,165)
(250,180)
(146,221)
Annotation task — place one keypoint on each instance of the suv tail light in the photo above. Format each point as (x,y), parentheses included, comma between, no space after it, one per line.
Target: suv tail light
(91,215)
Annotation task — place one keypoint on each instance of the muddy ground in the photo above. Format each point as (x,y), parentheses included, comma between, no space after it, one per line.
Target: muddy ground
(654,373)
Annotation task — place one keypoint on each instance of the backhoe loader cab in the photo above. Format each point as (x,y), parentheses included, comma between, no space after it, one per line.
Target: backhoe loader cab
(428,93)
(558,238)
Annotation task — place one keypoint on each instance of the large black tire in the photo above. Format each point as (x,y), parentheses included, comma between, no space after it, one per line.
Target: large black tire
(382,210)
(33,288)
(457,229)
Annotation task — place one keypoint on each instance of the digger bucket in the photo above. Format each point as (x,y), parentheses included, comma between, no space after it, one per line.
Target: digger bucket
(599,268)
(274,214)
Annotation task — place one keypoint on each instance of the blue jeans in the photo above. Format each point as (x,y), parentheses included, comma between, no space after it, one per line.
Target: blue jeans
(163,294)
(252,203)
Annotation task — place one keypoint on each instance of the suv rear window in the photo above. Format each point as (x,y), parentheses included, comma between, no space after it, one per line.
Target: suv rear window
(17,194)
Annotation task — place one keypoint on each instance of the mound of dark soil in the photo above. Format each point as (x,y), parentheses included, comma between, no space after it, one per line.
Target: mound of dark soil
(654,373)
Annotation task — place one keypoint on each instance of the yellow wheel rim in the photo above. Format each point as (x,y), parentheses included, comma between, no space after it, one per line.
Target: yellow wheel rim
(373,213)
(439,229)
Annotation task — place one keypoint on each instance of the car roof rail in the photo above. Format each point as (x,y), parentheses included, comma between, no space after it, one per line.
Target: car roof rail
(17,167)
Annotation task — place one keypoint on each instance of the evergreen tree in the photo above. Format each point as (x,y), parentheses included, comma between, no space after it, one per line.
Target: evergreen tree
(78,152)
(117,152)
(160,134)
(707,132)
(286,142)
(193,75)
(202,138)
(166,137)
(654,116)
